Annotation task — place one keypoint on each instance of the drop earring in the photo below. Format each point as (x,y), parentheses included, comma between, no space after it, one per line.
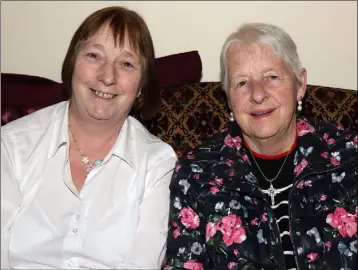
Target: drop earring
(299,106)
(231,117)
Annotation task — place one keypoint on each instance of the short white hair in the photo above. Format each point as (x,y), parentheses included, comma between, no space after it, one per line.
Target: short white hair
(261,33)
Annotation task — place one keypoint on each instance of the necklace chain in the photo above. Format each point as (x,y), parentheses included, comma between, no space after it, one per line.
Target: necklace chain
(85,159)
(270,180)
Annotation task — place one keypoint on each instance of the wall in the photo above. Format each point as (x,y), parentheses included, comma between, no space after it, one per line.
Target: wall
(35,35)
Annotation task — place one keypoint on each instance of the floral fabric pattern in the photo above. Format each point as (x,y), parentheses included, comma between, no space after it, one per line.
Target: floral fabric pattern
(220,219)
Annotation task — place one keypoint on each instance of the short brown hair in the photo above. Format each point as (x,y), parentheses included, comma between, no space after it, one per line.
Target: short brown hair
(120,21)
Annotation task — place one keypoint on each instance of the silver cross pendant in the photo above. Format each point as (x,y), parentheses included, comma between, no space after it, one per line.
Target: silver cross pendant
(272,192)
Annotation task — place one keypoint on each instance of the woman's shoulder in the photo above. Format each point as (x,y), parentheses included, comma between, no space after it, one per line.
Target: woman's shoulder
(324,128)
(332,137)
(211,149)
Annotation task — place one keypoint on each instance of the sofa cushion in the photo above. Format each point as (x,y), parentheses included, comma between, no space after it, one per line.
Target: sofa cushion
(189,114)
(178,69)
(335,105)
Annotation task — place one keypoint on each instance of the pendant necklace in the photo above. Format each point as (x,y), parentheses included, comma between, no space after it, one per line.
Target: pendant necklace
(272,192)
(89,166)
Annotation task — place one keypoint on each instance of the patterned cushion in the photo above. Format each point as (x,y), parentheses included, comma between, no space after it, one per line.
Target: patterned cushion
(189,114)
(194,112)
(335,105)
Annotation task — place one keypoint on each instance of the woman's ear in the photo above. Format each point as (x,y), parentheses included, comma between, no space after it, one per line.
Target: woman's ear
(228,102)
(302,87)
(139,93)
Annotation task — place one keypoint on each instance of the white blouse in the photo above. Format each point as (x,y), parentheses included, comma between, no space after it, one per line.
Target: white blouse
(117,221)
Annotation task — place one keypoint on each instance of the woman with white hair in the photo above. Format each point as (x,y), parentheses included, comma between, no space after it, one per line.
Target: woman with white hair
(273,190)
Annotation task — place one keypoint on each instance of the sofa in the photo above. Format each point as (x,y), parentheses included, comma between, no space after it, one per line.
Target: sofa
(191,110)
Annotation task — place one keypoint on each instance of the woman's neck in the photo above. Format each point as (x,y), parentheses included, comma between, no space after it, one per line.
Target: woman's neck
(91,131)
(274,145)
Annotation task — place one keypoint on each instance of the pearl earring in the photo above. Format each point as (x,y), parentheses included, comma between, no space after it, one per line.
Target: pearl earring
(299,107)
(231,117)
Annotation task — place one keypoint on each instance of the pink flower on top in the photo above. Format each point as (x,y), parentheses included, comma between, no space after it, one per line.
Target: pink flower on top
(229,162)
(323,197)
(214,190)
(231,265)
(193,265)
(177,168)
(312,256)
(190,155)
(218,181)
(255,221)
(303,128)
(232,231)
(335,161)
(345,222)
(264,217)
(176,233)
(300,184)
(245,158)
(236,252)
(299,168)
(211,230)
(308,183)
(328,244)
(232,141)
(331,141)
(328,140)
(189,218)
(231,173)
(324,155)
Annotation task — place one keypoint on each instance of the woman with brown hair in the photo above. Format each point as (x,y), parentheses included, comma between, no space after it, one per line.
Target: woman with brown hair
(85,185)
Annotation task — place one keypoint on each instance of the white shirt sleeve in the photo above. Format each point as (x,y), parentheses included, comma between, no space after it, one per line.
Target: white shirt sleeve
(11,198)
(149,245)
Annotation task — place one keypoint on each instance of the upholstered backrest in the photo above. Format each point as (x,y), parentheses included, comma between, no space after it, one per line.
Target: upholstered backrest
(192,112)
(189,113)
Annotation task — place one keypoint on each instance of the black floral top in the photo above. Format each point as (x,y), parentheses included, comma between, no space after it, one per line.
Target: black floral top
(220,219)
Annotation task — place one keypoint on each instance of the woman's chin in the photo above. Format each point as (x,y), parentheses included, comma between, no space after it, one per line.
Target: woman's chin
(263,132)
(100,115)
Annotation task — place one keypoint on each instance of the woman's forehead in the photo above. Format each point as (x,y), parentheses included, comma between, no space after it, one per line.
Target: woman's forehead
(253,52)
(254,58)
(246,52)
(118,39)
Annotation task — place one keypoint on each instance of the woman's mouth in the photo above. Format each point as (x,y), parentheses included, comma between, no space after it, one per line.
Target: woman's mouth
(102,95)
(262,113)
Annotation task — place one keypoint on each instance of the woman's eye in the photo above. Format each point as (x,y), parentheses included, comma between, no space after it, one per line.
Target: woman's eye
(241,84)
(93,55)
(127,65)
(273,77)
